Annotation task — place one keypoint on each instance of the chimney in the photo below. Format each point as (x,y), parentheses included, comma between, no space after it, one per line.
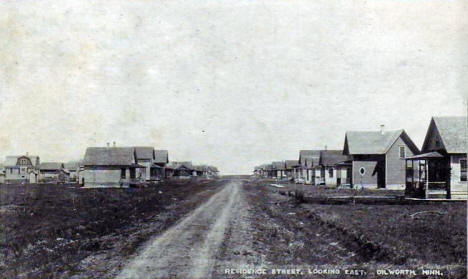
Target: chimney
(27,153)
(382,129)
(108,144)
(113,143)
(326,147)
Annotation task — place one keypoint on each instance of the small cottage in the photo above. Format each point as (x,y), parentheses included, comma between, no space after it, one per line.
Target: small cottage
(53,172)
(158,169)
(291,169)
(378,157)
(111,167)
(73,169)
(279,170)
(332,166)
(440,171)
(307,160)
(145,156)
(18,169)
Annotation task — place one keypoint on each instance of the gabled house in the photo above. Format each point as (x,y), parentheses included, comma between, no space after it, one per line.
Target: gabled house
(111,167)
(53,172)
(333,167)
(144,157)
(180,170)
(73,169)
(440,171)
(378,157)
(279,170)
(307,160)
(291,168)
(158,169)
(21,169)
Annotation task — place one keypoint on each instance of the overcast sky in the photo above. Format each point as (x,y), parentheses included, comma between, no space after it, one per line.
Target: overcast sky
(229,83)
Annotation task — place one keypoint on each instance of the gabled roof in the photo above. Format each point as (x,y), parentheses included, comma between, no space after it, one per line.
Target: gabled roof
(144,152)
(178,165)
(332,157)
(51,166)
(278,165)
(161,156)
(309,157)
(12,160)
(452,131)
(109,156)
(374,142)
(72,166)
(291,164)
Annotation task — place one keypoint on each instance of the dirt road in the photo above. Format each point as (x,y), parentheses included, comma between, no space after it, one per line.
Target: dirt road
(189,249)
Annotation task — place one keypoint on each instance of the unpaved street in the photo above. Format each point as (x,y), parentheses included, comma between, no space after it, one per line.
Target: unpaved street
(188,249)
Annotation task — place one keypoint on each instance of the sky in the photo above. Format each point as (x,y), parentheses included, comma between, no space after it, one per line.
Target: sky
(229,83)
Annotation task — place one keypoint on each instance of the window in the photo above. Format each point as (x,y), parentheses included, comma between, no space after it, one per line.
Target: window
(402,152)
(122,173)
(463,170)
(330,173)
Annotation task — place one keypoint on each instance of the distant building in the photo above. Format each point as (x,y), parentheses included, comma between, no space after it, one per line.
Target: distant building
(308,159)
(441,170)
(279,170)
(73,169)
(335,168)
(21,169)
(378,157)
(291,168)
(111,166)
(52,172)
(145,156)
(158,168)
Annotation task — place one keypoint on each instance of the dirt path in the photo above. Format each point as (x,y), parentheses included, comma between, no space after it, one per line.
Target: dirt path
(189,249)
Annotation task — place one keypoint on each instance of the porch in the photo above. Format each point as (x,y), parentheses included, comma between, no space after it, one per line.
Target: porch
(428,176)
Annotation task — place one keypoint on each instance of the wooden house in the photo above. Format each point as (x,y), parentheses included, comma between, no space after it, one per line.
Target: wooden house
(145,156)
(378,157)
(333,168)
(53,172)
(111,167)
(279,170)
(21,169)
(440,171)
(158,169)
(180,170)
(307,160)
(291,169)
(73,169)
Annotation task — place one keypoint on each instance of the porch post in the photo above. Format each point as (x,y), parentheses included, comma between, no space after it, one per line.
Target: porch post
(426,194)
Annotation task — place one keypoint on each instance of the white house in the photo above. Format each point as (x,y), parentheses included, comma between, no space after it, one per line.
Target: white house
(18,169)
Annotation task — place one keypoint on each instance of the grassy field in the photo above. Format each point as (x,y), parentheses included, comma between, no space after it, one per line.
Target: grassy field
(46,230)
(375,235)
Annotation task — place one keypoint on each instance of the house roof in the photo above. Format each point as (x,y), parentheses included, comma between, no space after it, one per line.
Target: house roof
(309,157)
(144,152)
(178,165)
(72,166)
(429,155)
(278,165)
(109,156)
(161,156)
(12,160)
(50,166)
(291,164)
(452,130)
(332,157)
(374,142)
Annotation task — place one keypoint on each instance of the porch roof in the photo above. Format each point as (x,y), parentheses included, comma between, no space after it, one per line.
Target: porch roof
(429,155)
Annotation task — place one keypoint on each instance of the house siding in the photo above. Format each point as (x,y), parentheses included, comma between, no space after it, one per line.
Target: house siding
(369,179)
(395,166)
(458,188)
(105,177)
(330,181)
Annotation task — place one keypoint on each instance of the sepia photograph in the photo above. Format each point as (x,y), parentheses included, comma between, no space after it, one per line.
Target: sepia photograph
(181,139)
